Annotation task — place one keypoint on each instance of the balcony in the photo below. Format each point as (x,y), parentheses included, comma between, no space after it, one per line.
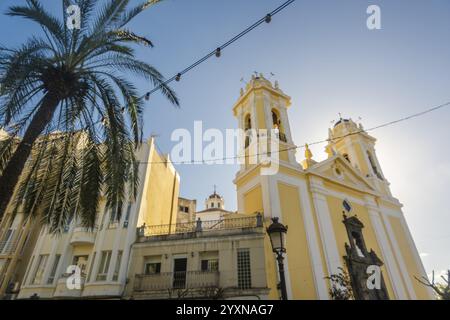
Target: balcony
(8,247)
(197,228)
(176,280)
(82,235)
(63,290)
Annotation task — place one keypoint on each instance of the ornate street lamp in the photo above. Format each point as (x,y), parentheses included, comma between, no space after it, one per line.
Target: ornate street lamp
(277,234)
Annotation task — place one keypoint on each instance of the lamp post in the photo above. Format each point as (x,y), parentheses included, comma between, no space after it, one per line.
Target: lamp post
(277,234)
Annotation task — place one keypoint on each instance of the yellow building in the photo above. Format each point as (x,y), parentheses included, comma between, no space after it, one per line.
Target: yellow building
(340,211)
(102,255)
(18,234)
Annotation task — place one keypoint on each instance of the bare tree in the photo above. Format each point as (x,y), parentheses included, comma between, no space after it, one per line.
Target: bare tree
(441,290)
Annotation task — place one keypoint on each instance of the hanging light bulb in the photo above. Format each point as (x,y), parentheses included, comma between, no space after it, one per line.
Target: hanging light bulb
(178,77)
(147,96)
(268,18)
(218,52)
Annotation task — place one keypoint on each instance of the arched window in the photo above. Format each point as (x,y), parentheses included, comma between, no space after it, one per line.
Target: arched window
(346,157)
(276,124)
(359,245)
(247,122)
(374,166)
(247,128)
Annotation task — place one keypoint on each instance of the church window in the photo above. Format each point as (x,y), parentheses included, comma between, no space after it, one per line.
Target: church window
(346,157)
(248,122)
(275,119)
(212,204)
(374,166)
(357,242)
(346,206)
(276,122)
(247,127)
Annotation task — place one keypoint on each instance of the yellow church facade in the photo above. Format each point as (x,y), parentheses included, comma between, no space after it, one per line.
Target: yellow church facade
(340,212)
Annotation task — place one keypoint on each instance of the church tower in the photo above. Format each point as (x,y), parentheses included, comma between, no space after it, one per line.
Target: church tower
(263,106)
(278,193)
(358,148)
(340,212)
(215,201)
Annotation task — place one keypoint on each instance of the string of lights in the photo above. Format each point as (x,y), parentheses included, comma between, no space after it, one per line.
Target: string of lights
(390,123)
(218,51)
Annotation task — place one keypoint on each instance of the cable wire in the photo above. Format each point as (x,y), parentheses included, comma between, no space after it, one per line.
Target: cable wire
(415,115)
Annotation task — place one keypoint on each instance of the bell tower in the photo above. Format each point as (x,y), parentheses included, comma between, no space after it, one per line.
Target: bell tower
(263,106)
(358,147)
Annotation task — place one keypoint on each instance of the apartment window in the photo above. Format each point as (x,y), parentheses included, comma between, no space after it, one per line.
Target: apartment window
(244,271)
(42,262)
(81,262)
(152,268)
(28,270)
(104,266)
(25,244)
(4,264)
(210,265)
(67,224)
(127,216)
(51,277)
(117,267)
(91,266)
(113,218)
(5,243)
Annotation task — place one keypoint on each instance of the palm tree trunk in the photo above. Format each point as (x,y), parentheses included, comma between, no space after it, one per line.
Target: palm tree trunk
(13,169)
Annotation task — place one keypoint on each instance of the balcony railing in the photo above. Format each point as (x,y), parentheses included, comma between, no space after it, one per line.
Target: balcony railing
(176,280)
(7,247)
(202,226)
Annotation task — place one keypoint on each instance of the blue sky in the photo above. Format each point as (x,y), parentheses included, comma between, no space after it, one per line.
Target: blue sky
(326,59)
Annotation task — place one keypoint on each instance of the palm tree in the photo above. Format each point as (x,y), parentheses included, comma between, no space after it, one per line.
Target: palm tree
(72,80)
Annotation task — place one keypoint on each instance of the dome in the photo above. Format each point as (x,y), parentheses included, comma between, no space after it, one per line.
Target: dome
(341,121)
(215,196)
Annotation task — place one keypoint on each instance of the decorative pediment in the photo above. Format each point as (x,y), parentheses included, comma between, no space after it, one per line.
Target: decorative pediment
(341,171)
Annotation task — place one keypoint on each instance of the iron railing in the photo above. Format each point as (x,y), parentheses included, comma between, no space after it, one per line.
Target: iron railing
(202,226)
(176,280)
(8,246)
